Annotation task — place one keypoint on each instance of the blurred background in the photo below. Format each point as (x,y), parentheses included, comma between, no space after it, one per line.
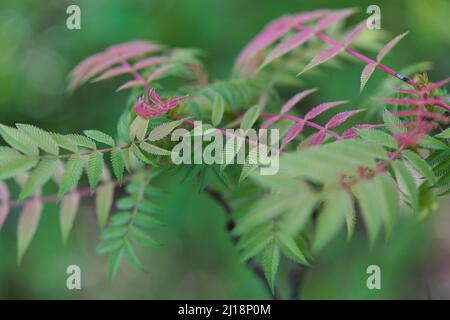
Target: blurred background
(197,260)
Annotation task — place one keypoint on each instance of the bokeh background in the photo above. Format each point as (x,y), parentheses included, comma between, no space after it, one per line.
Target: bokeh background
(197,260)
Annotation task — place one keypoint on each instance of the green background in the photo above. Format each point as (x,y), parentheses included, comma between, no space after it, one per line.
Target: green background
(197,260)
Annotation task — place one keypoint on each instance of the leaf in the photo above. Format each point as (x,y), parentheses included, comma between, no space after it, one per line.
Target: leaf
(365,74)
(322,57)
(141,238)
(41,137)
(27,225)
(379,137)
(155,150)
(218,108)
(64,142)
(296,99)
(318,138)
(369,203)
(444,134)
(131,84)
(100,137)
(355,33)
(109,245)
(120,219)
(331,218)
(290,248)
(4,203)
(132,257)
(103,202)
(114,263)
(72,173)
(406,181)
(15,166)
(421,166)
(387,199)
(81,141)
(138,128)
(95,168)
(118,164)
(145,221)
(19,140)
(164,130)
(67,212)
(250,117)
(314,112)
(126,203)
(388,47)
(292,133)
(341,117)
(40,175)
(270,263)
(433,143)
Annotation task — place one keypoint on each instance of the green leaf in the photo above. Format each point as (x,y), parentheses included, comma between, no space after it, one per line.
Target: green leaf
(369,203)
(218,108)
(114,232)
(155,150)
(103,201)
(95,168)
(118,164)
(15,166)
(139,155)
(331,218)
(114,263)
(27,226)
(18,140)
(40,175)
(142,238)
(421,166)
(379,137)
(444,134)
(290,248)
(250,117)
(100,137)
(120,219)
(41,137)
(109,245)
(388,200)
(138,129)
(433,143)
(270,263)
(81,141)
(67,212)
(64,142)
(164,130)
(72,173)
(146,221)
(406,181)
(126,203)
(7,153)
(132,257)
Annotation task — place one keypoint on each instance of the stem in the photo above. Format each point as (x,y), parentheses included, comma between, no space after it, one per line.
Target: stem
(359,56)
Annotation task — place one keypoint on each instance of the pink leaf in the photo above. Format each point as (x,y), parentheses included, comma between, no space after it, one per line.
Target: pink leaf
(4,203)
(28,223)
(296,99)
(292,133)
(350,133)
(174,102)
(333,18)
(318,138)
(366,73)
(158,72)
(288,44)
(131,84)
(314,112)
(341,117)
(323,56)
(404,101)
(114,72)
(388,47)
(435,85)
(148,62)
(352,35)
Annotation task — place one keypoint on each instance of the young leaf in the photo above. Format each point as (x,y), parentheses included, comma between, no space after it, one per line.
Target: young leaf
(366,73)
(379,137)
(314,112)
(421,166)
(341,117)
(103,202)
(40,175)
(155,150)
(95,168)
(42,138)
(406,180)
(290,248)
(100,137)
(68,210)
(163,130)
(270,263)
(218,108)
(138,128)
(72,173)
(322,57)
(388,47)
(27,226)
(387,190)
